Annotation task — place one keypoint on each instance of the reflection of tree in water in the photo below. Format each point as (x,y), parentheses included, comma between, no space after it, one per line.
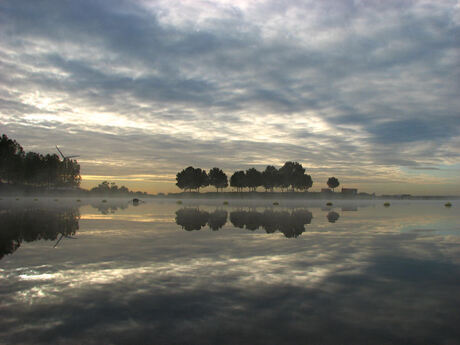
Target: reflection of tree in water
(332,217)
(108,208)
(29,225)
(191,218)
(291,224)
(217,219)
(195,219)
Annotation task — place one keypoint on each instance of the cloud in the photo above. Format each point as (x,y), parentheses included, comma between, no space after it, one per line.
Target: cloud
(327,82)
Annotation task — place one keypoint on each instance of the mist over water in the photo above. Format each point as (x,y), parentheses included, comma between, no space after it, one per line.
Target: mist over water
(248,272)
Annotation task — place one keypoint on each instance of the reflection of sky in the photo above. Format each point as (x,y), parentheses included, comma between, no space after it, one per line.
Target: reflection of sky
(136,277)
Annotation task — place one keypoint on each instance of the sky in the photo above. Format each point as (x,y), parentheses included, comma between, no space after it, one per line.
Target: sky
(366,91)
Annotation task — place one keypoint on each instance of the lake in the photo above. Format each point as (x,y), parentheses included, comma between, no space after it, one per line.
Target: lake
(201,272)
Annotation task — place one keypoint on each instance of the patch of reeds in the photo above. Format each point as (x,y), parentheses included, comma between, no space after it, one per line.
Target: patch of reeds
(448,204)
(386,204)
(329,203)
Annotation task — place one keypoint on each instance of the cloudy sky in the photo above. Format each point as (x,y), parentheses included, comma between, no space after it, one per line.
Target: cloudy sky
(367,91)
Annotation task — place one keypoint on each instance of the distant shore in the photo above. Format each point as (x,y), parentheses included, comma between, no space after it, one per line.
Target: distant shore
(27,191)
(300,196)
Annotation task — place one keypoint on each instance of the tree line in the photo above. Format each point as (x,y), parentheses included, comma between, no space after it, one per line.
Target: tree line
(107,188)
(31,168)
(291,176)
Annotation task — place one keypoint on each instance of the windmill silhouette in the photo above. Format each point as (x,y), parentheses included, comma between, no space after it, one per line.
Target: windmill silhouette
(66,160)
(60,239)
(65,157)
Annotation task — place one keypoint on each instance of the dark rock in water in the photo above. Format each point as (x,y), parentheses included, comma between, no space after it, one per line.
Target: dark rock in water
(135,201)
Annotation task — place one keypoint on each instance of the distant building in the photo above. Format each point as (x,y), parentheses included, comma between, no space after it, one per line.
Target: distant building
(349,191)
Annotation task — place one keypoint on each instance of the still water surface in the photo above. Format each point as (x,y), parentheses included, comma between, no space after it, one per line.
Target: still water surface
(244,273)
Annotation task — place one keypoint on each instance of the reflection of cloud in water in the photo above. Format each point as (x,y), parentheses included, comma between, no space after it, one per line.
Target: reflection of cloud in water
(367,282)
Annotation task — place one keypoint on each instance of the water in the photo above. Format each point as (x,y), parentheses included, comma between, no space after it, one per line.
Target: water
(244,273)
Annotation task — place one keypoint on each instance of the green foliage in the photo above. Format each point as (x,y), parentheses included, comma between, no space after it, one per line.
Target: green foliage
(329,204)
(448,204)
(386,204)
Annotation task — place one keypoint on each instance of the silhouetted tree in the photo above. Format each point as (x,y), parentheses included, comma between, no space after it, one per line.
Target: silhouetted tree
(238,180)
(191,178)
(11,159)
(253,179)
(270,178)
(218,178)
(292,174)
(110,189)
(303,182)
(333,182)
(32,168)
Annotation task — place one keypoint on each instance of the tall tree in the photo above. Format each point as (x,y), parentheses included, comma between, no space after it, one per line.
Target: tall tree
(11,160)
(218,178)
(291,174)
(333,182)
(238,180)
(303,182)
(253,178)
(185,178)
(191,178)
(201,179)
(270,178)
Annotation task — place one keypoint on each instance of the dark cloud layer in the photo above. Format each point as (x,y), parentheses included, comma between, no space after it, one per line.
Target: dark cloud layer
(325,83)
